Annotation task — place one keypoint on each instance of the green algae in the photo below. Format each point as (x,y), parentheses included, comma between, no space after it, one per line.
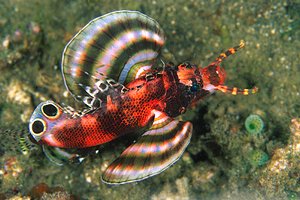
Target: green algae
(218,165)
(292,195)
(254,124)
(258,158)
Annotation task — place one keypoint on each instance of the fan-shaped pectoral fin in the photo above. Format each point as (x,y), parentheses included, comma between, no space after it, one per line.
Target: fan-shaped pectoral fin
(156,150)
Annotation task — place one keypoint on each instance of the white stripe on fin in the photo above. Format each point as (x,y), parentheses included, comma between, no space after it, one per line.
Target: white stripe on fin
(152,153)
(115,45)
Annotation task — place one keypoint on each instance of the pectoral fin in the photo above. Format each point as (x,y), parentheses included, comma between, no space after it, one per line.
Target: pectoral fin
(156,150)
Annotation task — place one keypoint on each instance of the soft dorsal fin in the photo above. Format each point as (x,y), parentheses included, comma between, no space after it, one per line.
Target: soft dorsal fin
(119,45)
(156,150)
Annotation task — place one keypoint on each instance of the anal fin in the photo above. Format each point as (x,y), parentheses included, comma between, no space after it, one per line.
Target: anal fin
(57,155)
(156,150)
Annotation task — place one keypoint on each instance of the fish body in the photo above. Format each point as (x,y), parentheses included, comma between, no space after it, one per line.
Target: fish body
(122,114)
(111,65)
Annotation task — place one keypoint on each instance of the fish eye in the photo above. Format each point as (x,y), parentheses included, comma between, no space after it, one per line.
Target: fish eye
(37,127)
(51,111)
(194,87)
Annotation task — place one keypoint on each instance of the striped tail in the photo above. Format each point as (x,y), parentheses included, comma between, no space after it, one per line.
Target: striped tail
(156,150)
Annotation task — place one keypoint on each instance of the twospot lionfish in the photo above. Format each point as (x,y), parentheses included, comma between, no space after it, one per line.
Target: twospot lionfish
(112,65)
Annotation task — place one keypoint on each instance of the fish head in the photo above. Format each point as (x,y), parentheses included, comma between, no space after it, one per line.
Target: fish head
(213,75)
(188,74)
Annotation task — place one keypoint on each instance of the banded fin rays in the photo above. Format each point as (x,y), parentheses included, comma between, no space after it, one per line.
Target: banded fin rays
(156,150)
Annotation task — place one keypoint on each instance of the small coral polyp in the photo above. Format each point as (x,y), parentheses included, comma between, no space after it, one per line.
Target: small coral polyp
(254,124)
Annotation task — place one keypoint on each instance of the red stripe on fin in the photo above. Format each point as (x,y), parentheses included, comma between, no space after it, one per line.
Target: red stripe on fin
(156,150)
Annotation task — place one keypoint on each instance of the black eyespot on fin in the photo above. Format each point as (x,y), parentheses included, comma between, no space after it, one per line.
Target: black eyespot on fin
(38,127)
(50,110)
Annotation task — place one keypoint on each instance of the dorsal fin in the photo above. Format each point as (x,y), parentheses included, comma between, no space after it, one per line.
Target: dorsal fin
(118,45)
(102,90)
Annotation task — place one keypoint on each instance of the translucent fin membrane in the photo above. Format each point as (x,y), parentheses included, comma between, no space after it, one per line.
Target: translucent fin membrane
(118,45)
(156,150)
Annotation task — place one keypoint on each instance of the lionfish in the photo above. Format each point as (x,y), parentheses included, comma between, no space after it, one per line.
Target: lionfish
(112,65)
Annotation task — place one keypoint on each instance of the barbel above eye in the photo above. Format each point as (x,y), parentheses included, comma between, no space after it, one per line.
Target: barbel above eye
(51,111)
(37,127)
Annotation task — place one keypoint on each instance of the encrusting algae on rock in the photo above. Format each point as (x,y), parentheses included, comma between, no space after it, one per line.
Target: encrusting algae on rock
(284,164)
(258,158)
(295,136)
